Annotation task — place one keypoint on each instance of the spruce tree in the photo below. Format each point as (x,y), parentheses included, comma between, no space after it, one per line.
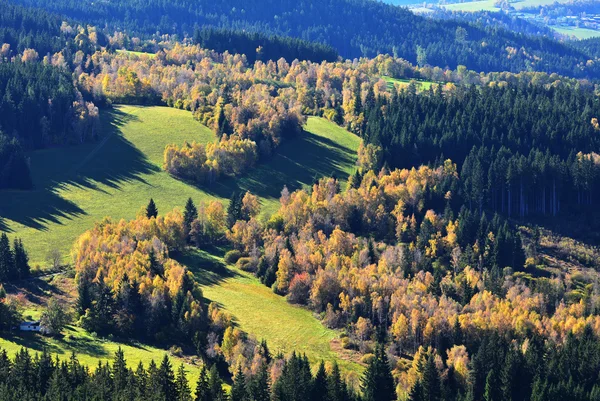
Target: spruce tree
(238,389)
(336,390)
(416,392)
(151,209)
(167,379)
(120,372)
(234,209)
(6,259)
(182,387)
(431,380)
(202,389)
(492,387)
(189,215)
(215,385)
(319,384)
(378,382)
(259,385)
(21,260)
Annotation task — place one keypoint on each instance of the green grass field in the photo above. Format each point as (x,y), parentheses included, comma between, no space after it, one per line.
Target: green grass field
(403,83)
(579,33)
(90,350)
(77,186)
(488,5)
(268,316)
(130,52)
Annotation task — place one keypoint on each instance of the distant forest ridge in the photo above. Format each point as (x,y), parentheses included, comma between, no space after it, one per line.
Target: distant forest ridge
(354,28)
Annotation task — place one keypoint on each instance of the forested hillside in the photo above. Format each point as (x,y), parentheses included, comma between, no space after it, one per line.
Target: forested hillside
(354,27)
(212,181)
(522,150)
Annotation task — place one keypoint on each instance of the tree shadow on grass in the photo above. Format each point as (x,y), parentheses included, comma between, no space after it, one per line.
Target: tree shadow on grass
(208,267)
(297,163)
(111,161)
(36,289)
(3,226)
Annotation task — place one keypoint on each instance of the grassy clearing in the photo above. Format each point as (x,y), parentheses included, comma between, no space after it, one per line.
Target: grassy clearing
(579,33)
(138,54)
(91,350)
(268,316)
(403,83)
(488,5)
(473,6)
(77,186)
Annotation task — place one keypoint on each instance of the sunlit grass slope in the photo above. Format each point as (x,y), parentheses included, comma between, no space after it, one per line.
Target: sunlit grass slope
(265,315)
(78,186)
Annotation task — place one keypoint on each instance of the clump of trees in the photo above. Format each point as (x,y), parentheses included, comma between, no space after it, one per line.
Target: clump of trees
(14,263)
(14,165)
(128,285)
(204,164)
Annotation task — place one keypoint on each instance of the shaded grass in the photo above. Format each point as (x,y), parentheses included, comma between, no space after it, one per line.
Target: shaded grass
(262,313)
(78,186)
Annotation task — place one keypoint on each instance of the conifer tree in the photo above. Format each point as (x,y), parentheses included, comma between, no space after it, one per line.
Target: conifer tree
(431,380)
(215,384)
(336,389)
(21,260)
(189,215)
(120,371)
(167,379)
(319,384)
(234,209)
(151,209)
(182,387)
(238,389)
(259,385)
(378,382)
(6,259)
(416,392)
(202,389)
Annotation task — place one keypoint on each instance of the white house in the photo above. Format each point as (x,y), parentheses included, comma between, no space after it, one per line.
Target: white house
(32,326)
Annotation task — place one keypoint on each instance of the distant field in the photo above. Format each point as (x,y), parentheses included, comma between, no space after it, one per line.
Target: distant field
(472,6)
(489,5)
(151,55)
(266,315)
(421,85)
(579,33)
(77,186)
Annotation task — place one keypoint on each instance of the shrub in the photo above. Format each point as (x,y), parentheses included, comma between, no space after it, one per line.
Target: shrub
(367,358)
(232,257)
(246,264)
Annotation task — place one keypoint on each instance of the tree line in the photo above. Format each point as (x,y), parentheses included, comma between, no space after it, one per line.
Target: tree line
(498,371)
(259,46)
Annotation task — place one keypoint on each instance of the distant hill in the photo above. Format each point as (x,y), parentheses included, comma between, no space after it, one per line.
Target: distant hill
(354,27)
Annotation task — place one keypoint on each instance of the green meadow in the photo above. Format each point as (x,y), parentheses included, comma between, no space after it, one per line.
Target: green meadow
(259,311)
(403,83)
(579,33)
(116,176)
